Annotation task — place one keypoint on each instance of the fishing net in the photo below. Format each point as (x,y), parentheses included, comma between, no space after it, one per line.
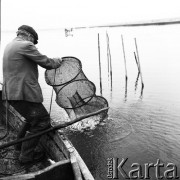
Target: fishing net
(74,92)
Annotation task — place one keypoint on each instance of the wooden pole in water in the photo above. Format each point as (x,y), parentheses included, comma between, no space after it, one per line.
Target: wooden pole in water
(139,63)
(136,83)
(107,54)
(124,58)
(136,61)
(110,61)
(100,78)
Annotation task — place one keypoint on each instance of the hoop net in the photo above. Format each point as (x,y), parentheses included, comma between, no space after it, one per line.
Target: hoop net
(74,92)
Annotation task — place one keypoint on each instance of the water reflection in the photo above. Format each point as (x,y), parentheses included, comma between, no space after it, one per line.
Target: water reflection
(125,95)
(142,88)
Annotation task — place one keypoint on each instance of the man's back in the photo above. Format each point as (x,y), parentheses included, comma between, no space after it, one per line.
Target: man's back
(20,73)
(15,61)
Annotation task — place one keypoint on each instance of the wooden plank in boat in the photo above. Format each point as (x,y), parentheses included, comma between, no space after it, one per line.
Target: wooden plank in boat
(59,171)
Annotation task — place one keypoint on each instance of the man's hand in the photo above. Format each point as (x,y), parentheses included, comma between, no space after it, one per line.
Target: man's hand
(57,61)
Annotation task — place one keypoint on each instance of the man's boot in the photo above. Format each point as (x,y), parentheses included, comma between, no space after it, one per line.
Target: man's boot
(28,153)
(25,126)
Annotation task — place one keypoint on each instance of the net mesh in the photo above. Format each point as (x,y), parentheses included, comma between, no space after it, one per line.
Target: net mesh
(74,92)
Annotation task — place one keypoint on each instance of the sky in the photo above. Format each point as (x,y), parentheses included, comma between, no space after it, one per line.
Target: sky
(46,14)
(53,14)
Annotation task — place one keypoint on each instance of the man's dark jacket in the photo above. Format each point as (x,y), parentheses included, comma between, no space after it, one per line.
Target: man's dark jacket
(20,71)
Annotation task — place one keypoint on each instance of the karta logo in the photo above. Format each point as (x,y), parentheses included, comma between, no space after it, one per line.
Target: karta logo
(116,170)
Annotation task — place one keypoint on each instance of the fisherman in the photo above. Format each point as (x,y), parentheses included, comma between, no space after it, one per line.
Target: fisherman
(22,90)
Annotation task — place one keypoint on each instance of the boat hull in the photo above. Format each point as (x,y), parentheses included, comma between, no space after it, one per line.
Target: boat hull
(67,162)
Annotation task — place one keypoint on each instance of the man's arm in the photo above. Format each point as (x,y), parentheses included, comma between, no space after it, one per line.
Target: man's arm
(32,53)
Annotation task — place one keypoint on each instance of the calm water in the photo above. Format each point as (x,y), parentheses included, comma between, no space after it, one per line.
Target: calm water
(142,128)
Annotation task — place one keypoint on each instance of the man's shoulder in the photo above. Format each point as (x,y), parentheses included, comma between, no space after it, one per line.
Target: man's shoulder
(19,45)
(22,42)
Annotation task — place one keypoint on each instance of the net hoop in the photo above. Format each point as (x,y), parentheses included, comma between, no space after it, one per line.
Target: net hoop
(90,97)
(67,82)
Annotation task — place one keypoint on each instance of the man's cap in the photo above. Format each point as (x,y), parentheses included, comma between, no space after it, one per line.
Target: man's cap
(30,30)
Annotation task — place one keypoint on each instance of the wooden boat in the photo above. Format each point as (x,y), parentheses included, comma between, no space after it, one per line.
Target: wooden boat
(63,161)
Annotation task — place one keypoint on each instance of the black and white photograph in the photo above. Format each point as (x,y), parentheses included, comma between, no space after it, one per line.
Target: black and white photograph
(89,90)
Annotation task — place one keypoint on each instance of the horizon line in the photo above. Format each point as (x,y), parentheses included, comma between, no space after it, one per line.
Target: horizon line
(167,21)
